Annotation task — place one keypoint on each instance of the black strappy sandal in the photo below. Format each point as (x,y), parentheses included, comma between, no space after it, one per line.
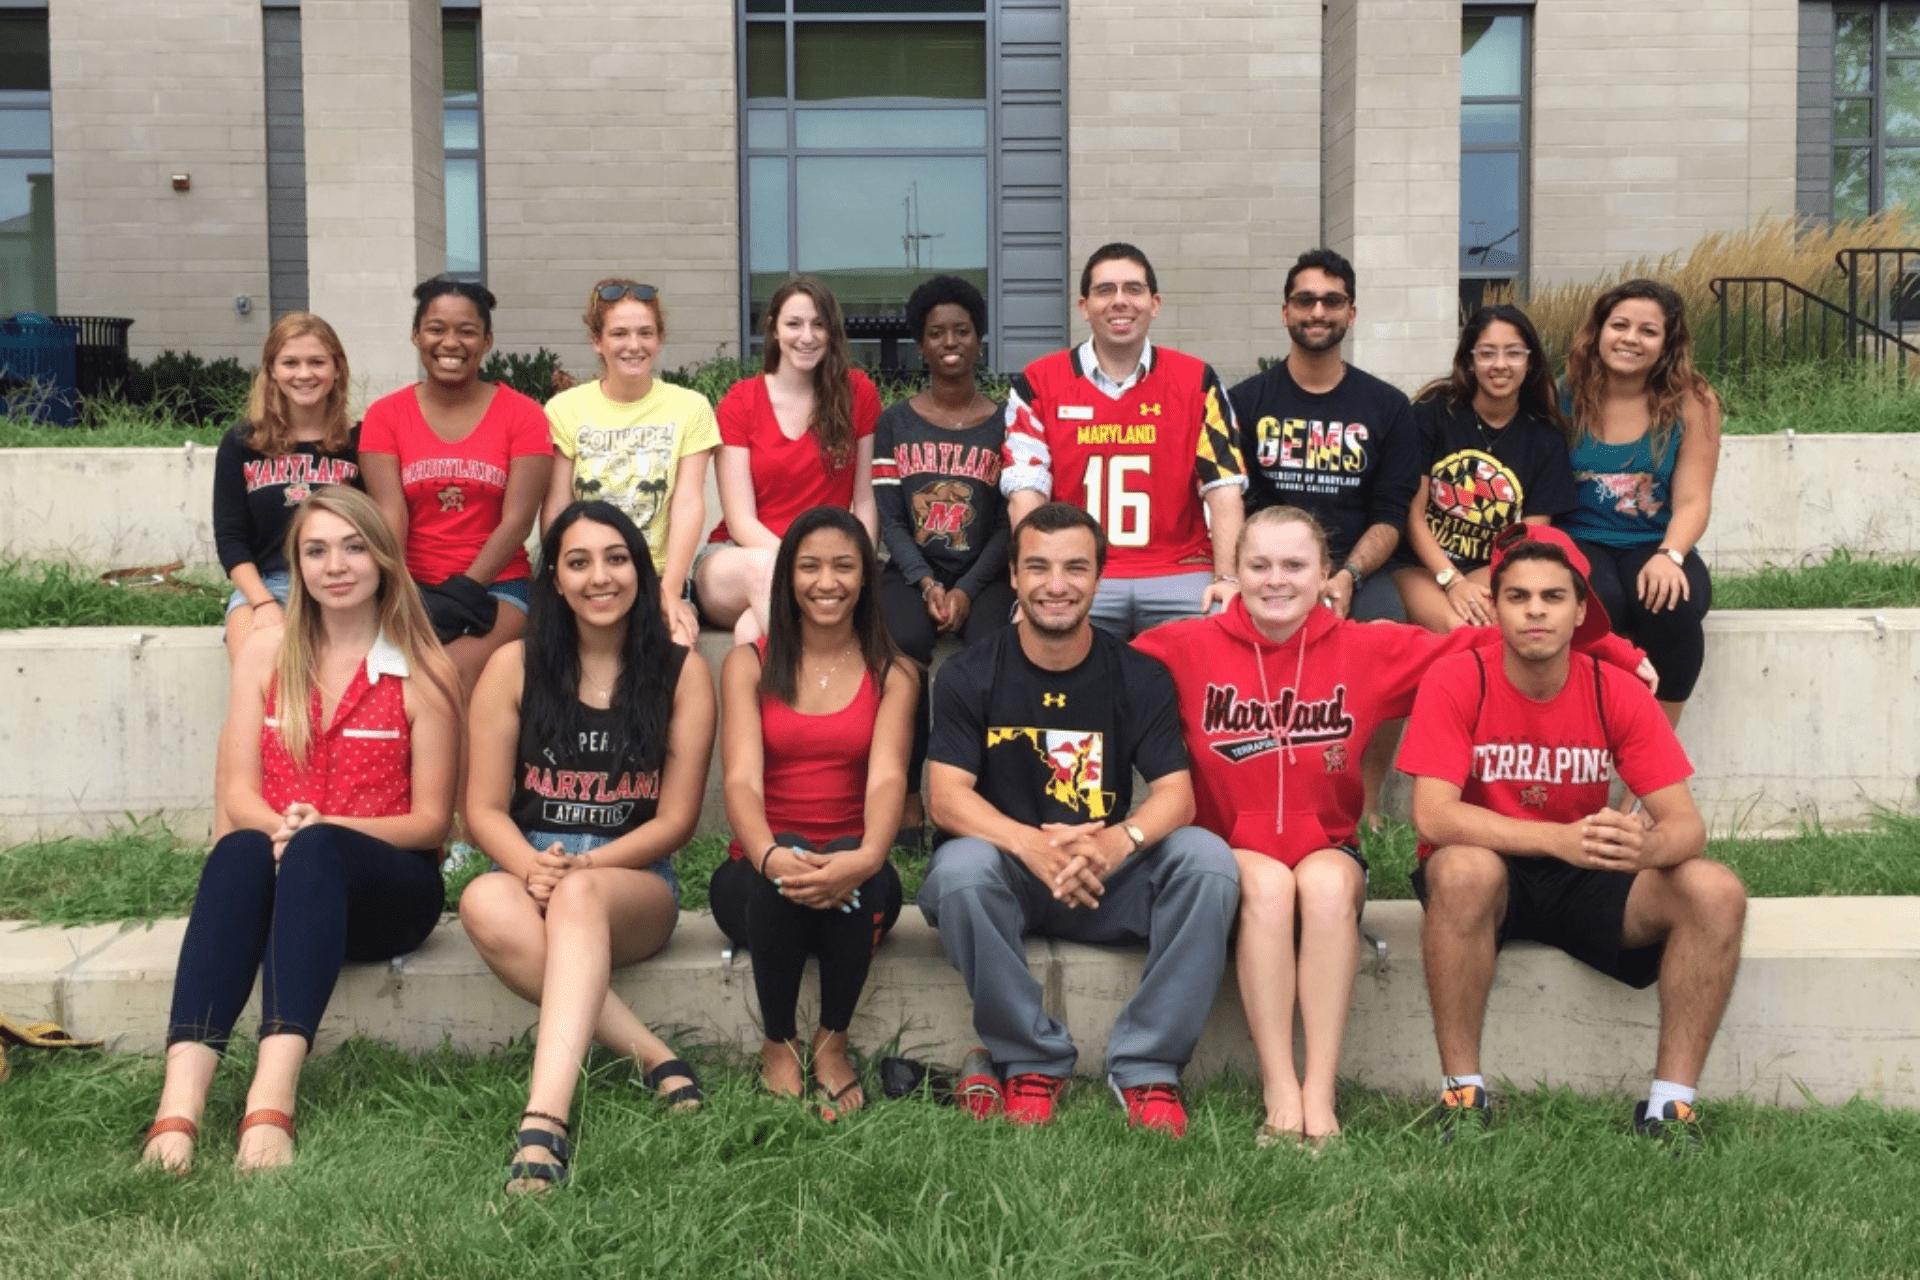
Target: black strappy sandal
(550,1174)
(687,1096)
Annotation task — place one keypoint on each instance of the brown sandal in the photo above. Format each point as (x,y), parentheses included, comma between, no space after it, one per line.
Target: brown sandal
(164,1126)
(265,1116)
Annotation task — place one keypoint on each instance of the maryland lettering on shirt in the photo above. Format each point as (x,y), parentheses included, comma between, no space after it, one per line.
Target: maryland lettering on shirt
(1117,433)
(298,468)
(921,457)
(581,797)
(1302,722)
(1538,762)
(453,469)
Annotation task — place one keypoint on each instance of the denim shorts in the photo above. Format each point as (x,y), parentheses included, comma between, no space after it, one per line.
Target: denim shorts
(575,844)
(277,583)
(513,593)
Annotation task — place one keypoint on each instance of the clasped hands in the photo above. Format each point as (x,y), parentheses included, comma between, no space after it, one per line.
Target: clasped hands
(299,814)
(1609,840)
(1069,860)
(823,881)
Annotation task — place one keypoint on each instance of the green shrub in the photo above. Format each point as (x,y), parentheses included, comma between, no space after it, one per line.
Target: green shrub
(530,375)
(190,389)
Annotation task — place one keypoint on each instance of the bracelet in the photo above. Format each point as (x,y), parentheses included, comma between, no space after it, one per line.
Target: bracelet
(927,584)
(261,604)
(765,856)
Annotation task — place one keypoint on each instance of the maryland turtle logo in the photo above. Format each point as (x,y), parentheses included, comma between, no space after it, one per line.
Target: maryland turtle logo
(1336,757)
(941,510)
(1534,797)
(298,492)
(452,498)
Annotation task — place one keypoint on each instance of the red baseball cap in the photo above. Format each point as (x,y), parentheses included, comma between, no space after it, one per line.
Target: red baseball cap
(1596,624)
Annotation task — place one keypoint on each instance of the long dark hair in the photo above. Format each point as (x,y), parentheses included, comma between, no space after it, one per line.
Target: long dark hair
(1538,396)
(779,674)
(643,691)
(1671,380)
(832,424)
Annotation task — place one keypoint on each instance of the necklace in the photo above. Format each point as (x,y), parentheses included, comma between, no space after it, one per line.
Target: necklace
(602,690)
(960,418)
(835,667)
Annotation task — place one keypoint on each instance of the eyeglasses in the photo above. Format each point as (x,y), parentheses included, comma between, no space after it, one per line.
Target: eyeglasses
(1308,301)
(1132,288)
(615,292)
(1500,355)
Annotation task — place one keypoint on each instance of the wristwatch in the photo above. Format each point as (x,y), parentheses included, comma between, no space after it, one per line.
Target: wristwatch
(1674,556)
(1359,576)
(1136,835)
(1445,577)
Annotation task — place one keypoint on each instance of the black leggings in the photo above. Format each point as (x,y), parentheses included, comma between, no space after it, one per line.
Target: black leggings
(336,895)
(1675,640)
(905,612)
(782,934)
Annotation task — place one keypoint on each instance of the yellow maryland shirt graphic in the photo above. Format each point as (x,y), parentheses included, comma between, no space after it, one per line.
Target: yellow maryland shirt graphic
(1075,763)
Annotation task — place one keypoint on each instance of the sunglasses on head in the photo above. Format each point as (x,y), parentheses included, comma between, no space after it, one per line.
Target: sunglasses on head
(638,292)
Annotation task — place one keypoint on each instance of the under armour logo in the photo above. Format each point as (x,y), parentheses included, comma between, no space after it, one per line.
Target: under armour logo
(1053,699)
(1152,410)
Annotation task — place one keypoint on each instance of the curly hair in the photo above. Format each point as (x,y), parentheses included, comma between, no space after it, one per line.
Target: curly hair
(440,286)
(1671,380)
(939,290)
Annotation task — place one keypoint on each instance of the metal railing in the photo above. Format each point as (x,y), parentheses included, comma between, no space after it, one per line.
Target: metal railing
(1771,319)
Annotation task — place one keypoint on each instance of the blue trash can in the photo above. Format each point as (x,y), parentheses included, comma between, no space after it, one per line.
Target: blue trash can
(37,359)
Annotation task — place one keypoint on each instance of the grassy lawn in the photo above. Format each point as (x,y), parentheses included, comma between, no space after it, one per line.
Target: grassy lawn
(1815,399)
(402,1159)
(61,595)
(143,872)
(1842,581)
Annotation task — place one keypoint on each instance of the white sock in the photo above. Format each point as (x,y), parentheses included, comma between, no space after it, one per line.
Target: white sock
(1461,1082)
(1664,1091)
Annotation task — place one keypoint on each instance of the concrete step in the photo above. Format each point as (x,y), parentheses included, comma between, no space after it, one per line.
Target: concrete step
(1827,1006)
(1800,717)
(1780,499)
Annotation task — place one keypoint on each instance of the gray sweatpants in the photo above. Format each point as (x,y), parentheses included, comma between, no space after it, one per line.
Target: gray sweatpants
(1178,896)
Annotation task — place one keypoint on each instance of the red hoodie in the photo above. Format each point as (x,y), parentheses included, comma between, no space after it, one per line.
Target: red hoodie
(1276,731)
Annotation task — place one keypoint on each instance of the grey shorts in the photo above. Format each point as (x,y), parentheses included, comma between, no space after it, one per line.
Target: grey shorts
(1128,606)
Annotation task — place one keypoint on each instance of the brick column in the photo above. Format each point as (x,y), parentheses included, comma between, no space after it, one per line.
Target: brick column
(376,185)
(1390,176)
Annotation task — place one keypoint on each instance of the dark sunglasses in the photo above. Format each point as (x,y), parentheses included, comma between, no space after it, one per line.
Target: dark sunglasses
(638,292)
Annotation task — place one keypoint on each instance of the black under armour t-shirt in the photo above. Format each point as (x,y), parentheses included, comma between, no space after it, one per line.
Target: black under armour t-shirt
(1056,746)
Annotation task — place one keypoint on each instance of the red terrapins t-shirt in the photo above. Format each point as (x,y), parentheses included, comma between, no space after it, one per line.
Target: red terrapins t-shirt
(1549,761)
(456,490)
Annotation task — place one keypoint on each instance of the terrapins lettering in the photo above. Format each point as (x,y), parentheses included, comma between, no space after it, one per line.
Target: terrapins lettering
(1531,762)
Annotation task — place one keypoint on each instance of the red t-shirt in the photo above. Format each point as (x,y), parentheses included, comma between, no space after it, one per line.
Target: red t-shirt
(1549,761)
(789,476)
(814,768)
(456,489)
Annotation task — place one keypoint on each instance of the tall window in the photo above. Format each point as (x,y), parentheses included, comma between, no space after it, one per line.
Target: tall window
(866,139)
(1494,77)
(26,165)
(1876,108)
(466,186)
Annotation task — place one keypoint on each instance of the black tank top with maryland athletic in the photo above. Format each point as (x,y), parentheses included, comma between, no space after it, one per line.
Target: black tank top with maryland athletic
(582,788)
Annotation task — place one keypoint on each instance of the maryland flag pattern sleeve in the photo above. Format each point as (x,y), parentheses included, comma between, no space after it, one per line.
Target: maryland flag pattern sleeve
(1137,462)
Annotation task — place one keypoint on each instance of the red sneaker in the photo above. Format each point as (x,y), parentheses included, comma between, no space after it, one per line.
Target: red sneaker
(978,1093)
(1155,1106)
(1030,1097)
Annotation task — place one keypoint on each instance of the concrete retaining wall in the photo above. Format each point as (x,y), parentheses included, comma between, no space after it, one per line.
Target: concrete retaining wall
(1780,499)
(1828,1001)
(1800,717)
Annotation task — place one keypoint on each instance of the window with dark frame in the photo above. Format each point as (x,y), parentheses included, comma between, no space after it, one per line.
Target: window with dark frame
(27,279)
(1495,76)
(1876,108)
(865,144)
(466,175)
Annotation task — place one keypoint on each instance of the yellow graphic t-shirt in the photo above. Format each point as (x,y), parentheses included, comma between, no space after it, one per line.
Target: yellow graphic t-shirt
(629,454)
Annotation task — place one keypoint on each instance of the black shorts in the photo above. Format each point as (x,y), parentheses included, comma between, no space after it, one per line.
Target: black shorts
(1581,911)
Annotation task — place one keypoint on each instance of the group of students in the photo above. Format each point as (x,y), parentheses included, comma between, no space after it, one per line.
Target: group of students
(560,712)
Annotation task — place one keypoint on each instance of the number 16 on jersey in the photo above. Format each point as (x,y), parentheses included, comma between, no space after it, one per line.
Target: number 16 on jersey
(1123,511)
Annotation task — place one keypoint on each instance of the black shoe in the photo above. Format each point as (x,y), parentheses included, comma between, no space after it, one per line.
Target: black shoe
(1464,1110)
(1678,1123)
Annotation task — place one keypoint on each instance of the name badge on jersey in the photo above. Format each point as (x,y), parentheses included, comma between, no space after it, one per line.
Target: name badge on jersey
(1075,412)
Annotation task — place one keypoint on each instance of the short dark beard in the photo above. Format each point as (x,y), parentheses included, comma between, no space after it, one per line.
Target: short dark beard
(1298,332)
(1053,633)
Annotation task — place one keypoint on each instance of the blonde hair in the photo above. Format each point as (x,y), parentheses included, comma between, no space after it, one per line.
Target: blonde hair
(403,619)
(1283,515)
(271,425)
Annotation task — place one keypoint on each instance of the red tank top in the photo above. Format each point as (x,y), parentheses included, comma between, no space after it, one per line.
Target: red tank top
(814,768)
(361,765)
